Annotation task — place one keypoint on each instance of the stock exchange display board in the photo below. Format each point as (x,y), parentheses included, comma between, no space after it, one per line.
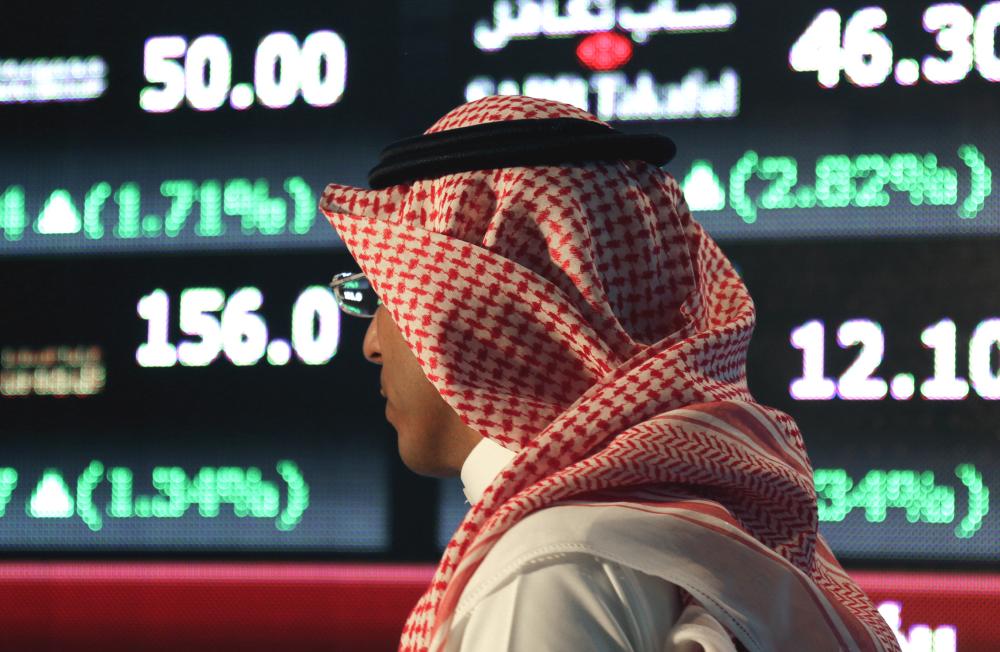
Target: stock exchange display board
(176,379)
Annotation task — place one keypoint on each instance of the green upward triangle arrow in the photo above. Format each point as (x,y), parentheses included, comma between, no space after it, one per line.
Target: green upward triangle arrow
(703,189)
(59,215)
(51,498)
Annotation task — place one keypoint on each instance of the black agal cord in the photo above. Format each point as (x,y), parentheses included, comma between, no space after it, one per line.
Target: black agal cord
(511,143)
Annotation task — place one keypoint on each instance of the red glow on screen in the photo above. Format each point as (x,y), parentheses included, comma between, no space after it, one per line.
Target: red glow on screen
(300,607)
(604,51)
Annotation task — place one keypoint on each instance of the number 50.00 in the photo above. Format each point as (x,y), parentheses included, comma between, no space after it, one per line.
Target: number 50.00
(201,72)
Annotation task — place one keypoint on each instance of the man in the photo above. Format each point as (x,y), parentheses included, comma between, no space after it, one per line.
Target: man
(555,327)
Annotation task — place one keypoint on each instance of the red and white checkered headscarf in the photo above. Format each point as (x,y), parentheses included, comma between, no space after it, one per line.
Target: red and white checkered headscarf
(568,313)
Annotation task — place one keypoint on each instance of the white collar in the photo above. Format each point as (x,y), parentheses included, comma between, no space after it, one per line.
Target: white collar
(482,465)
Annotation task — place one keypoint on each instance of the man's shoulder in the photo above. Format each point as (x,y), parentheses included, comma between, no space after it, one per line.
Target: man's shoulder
(560,534)
(578,524)
(561,527)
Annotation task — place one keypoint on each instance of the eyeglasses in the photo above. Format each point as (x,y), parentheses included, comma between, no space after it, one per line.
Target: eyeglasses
(354,294)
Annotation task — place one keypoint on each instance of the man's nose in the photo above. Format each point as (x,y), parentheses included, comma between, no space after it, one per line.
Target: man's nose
(371,347)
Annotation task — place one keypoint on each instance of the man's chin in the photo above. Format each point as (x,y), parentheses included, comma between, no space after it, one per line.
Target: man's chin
(429,471)
(420,464)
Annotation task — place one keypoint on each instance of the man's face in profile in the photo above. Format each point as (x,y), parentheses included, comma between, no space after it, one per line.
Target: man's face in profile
(432,439)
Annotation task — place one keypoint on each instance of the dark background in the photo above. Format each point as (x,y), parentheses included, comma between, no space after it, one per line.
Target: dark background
(408,64)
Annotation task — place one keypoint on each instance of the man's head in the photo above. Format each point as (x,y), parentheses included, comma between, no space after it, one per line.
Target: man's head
(432,439)
(518,287)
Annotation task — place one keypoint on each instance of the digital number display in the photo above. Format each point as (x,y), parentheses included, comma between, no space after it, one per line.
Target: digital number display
(73,79)
(177,379)
(197,404)
(248,200)
(858,47)
(243,489)
(239,332)
(745,196)
(858,383)
(888,358)
(52,371)
(201,72)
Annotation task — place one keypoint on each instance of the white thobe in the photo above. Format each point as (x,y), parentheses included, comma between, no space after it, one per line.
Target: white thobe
(567,600)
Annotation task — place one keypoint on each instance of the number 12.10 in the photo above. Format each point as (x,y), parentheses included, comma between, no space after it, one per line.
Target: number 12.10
(858,382)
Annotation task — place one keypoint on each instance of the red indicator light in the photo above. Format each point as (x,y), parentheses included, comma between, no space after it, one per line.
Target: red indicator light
(604,51)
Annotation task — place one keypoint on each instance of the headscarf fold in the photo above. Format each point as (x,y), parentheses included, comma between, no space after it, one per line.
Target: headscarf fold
(579,316)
